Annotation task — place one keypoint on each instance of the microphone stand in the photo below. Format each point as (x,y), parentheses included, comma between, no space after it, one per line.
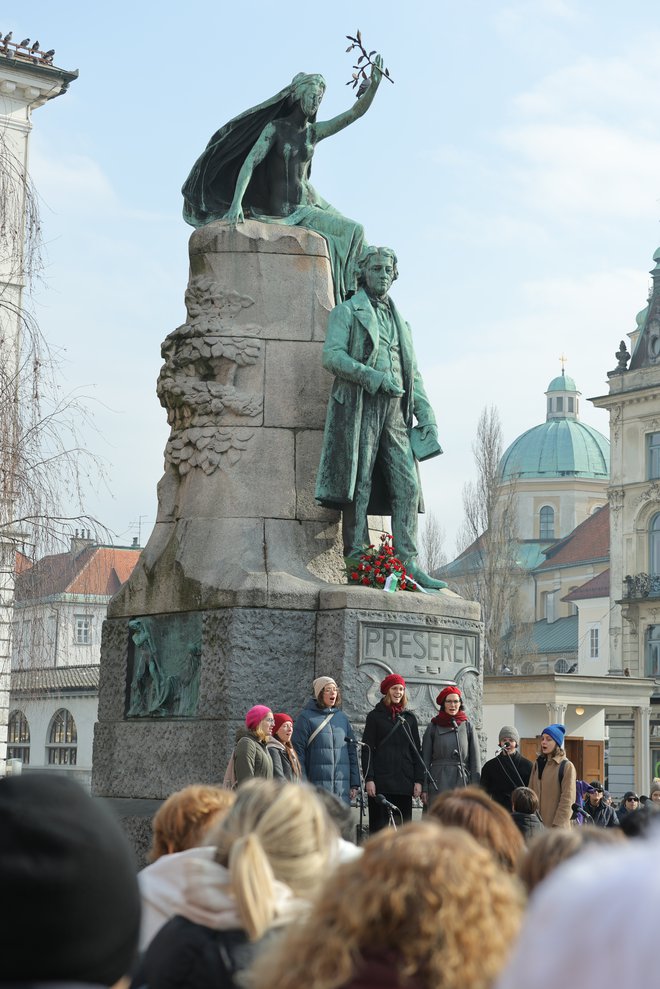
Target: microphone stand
(454,725)
(513,766)
(427,773)
(359,827)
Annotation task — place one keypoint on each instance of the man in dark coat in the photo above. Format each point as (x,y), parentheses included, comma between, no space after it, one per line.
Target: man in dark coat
(603,815)
(500,776)
(368,466)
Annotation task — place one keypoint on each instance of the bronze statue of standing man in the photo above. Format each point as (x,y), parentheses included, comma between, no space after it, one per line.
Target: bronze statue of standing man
(367,463)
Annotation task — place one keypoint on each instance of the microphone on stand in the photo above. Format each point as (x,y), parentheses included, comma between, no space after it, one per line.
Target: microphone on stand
(380,799)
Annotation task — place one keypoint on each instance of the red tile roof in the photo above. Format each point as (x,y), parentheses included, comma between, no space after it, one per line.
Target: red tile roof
(597,587)
(23,563)
(588,541)
(97,570)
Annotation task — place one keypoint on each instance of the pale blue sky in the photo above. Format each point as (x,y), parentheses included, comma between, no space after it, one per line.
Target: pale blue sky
(514,166)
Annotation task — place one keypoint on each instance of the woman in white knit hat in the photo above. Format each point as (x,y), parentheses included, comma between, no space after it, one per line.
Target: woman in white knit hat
(325,742)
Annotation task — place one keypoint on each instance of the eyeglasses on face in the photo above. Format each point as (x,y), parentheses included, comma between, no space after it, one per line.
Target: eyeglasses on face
(634,800)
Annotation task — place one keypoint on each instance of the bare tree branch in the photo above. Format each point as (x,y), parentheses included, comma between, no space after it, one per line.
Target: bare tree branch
(493,574)
(431,546)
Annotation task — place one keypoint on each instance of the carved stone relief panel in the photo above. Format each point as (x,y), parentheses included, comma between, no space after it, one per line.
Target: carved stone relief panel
(164,665)
(210,381)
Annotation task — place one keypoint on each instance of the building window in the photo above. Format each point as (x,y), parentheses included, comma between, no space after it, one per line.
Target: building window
(547,523)
(548,603)
(653,652)
(18,737)
(652,455)
(559,404)
(62,739)
(83,630)
(654,545)
(571,404)
(594,635)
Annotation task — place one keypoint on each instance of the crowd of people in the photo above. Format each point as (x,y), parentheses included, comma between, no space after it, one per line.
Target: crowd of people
(258,881)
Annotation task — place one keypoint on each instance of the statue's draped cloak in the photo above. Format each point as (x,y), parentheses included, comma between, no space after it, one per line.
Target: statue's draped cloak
(209,190)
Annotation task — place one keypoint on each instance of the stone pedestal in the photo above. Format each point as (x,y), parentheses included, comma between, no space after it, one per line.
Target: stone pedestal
(238,597)
(271,655)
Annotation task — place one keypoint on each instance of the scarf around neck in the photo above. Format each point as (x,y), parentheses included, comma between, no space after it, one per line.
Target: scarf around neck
(444,720)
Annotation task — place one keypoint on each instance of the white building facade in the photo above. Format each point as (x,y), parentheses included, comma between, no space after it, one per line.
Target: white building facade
(27,80)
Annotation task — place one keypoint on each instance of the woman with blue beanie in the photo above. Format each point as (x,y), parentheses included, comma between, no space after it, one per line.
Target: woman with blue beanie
(553,779)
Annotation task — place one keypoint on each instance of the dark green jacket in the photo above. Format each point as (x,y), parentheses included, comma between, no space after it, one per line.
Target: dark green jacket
(350,353)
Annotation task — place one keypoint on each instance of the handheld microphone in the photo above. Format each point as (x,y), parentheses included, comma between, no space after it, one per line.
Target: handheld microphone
(453,724)
(581,810)
(354,741)
(380,799)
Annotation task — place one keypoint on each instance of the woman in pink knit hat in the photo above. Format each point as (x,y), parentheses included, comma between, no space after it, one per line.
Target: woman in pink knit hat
(251,756)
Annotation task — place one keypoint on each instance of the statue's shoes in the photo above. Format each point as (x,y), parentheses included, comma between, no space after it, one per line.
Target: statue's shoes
(424,579)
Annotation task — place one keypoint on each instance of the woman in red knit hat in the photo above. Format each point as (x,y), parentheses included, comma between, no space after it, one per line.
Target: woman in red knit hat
(286,765)
(450,747)
(390,755)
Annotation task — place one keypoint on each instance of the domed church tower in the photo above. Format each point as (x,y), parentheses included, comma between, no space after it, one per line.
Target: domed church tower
(558,469)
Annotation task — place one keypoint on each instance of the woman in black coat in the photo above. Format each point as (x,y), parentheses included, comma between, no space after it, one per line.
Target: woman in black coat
(390,755)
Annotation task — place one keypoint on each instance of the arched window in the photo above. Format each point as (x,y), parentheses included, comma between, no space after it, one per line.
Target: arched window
(62,739)
(18,737)
(654,545)
(547,523)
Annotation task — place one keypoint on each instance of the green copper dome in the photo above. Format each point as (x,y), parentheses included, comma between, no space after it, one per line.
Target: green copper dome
(557,448)
(560,447)
(562,383)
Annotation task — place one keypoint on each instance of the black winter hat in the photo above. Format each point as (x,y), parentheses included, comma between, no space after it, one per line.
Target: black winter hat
(69,901)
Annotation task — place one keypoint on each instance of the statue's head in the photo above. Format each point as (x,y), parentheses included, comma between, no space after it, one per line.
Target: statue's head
(308,90)
(376,266)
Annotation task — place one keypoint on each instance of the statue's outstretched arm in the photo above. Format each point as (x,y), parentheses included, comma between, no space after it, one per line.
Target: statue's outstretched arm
(261,148)
(325,128)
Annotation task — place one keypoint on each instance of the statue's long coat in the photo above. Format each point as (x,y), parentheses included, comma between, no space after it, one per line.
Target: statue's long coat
(350,353)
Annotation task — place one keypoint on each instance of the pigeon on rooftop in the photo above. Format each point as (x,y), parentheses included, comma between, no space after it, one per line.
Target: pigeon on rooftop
(35,47)
(24,43)
(8,37)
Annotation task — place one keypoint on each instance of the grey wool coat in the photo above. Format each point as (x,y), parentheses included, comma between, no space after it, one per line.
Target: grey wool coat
(350,353)
(440,753)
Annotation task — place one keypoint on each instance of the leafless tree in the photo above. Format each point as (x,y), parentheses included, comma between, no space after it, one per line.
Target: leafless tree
(43,464)
(493,574)
(432,543)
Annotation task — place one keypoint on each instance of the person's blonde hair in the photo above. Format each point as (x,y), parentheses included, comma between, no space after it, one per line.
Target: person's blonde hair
(471,808)
(553,846)
(185,816)
(263,734)
(274,831)
(427,896)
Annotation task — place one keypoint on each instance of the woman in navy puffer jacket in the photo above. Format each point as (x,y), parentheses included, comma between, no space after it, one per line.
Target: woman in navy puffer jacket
(325,742)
